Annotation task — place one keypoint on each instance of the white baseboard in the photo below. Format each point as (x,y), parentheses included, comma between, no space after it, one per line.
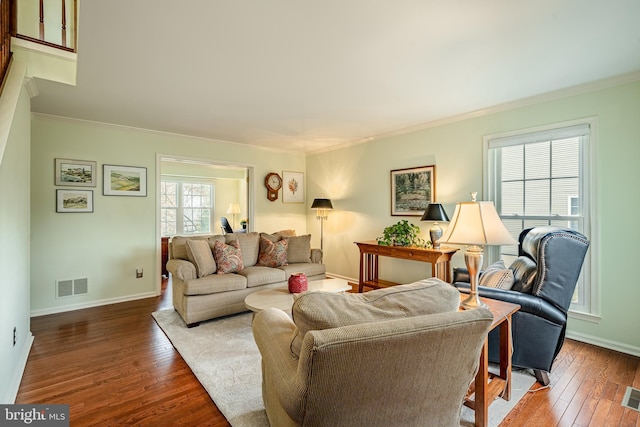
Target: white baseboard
(14,386)
(601,342)
(63,309)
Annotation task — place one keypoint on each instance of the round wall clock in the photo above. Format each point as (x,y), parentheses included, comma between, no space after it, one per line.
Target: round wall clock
(273,182)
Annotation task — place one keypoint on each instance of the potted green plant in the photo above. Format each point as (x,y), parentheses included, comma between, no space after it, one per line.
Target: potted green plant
(401,234)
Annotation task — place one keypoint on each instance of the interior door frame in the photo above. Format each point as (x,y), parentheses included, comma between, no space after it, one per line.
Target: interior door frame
(160,157)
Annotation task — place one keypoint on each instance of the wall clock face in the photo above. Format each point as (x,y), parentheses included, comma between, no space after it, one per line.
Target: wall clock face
(273,182)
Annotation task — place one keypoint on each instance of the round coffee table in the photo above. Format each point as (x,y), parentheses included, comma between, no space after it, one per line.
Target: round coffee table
(281,297)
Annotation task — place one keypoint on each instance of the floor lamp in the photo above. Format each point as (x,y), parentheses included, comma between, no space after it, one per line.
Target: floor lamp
(234,209)
(322,207)
(476,225)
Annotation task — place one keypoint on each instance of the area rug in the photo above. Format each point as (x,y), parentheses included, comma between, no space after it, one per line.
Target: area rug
(223,356)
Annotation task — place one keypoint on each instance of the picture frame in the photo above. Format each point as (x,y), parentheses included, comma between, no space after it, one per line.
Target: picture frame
(124,181)
(74,201)
(412,189)
(292,187)
(76,173)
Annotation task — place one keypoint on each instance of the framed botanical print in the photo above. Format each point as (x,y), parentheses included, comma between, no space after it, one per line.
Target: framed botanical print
(412,190)
(292,187)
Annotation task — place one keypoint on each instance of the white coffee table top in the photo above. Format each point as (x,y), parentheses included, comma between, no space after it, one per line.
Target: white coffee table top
(282,299)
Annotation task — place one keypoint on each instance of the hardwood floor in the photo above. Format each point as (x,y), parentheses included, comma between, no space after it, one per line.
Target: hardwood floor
(114,366)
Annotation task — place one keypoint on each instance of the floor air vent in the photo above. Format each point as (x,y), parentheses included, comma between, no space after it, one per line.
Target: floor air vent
(632,399)
(71,287)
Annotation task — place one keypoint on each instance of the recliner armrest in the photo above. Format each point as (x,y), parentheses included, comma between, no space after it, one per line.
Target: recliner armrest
(528,303)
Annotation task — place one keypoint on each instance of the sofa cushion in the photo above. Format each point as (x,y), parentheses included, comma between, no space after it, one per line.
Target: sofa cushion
(200,255)
(310,269)
(249,246)
(285,233)
(228,257)
(214,284)
(258,275)
(325,310)
(497,276)
(299,249)
(179,246)
(272,254)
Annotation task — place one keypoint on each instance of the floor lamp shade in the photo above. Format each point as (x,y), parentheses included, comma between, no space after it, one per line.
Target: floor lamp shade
(322,207)
(476,224)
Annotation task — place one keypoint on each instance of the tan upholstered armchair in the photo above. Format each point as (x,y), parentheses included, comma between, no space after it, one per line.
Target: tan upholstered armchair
(391,364)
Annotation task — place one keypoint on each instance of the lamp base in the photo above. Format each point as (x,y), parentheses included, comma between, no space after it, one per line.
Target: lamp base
(435,233)
(472,301)
(473,259)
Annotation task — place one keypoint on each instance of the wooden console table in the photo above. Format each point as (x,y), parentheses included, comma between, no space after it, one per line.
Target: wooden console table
(440,260)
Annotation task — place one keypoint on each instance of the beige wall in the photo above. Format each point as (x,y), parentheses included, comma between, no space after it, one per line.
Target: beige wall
(357,179)
(121,234)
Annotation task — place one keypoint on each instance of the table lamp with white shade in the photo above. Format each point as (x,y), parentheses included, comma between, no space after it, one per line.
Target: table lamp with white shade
(476,225)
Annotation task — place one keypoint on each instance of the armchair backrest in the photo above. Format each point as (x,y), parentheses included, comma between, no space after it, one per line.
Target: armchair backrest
(409,371)
(557,255)
(226,227)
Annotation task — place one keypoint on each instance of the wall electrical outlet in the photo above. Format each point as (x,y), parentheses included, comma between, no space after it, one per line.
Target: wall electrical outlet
(139,272)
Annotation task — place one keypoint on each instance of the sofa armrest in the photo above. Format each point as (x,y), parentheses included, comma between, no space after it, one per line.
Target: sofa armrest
(316,256)
(182,269)
(272,331)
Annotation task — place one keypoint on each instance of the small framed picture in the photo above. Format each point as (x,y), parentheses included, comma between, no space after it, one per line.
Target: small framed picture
(124,181)
(78,173)
(412,190)
(68,201)
(292,187)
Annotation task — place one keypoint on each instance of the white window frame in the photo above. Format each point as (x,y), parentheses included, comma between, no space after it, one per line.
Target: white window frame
(180,208)
(589,307)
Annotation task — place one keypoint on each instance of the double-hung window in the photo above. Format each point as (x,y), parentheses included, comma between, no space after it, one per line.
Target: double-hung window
(186,207)
(542,177)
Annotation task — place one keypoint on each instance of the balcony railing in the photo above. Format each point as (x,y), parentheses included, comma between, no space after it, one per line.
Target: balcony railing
(7,29)
(49,22)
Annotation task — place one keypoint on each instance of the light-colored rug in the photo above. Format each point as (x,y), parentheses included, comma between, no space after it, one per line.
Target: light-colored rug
(223,356)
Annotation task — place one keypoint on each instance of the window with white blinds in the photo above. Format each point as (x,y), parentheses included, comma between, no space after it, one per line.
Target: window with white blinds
(541,177)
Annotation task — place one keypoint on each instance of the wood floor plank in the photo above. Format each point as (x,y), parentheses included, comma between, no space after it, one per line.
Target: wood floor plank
(114,366)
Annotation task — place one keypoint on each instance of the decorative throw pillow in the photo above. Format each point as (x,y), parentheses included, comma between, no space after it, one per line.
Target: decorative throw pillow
(228,257)
(273,254)
(199,253)
(299,249)
(497,276)
(275,237)
(524,273)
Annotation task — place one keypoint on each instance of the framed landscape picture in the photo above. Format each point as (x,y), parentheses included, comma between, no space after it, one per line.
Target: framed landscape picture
(412,190)
(124,181)
(292,187)
(74,201)
(78,173)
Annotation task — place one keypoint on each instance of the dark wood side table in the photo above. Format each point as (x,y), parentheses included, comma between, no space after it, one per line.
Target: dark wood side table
(440,260)
(165,256)
(487,386)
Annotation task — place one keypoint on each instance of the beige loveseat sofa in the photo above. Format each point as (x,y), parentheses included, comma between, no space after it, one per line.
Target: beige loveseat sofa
(201,292)
(400,356)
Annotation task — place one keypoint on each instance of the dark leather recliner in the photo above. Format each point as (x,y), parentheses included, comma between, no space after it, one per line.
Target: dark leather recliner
(546,272)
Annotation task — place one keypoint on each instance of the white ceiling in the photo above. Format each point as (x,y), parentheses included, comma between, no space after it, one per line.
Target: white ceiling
(304,75)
